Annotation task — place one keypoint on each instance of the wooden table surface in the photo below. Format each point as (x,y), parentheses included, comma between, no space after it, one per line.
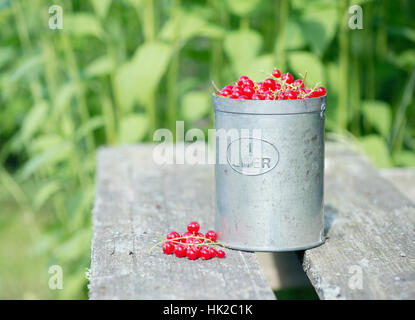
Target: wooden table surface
(370,225)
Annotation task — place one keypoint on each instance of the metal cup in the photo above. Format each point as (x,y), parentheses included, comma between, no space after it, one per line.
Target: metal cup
(269,177)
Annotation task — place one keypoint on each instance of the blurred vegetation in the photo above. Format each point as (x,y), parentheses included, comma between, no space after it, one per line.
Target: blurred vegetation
(121,68)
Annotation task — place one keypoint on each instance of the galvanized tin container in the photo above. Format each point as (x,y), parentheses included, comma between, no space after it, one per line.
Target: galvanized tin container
(269,176)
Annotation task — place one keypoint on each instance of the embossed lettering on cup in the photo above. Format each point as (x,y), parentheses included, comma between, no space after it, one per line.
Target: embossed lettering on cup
(252,156)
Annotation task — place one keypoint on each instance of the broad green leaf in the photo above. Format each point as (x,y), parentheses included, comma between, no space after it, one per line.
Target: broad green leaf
(6,54)
(294,36)
(139,77)
(405,32)
(99,67)
(332,85)
(405,158)
(74,247)
(45,192)
(302,62)
(319,27)
(92,124)
(242,47)
(189,25)
(82,24)
(360,2)
(133,128)
(34,120)
(376,149)
(28,68)
(242,7)
(260,67)
(75,280)
(48,158)
(44,142)
(405,60)
(75,206)
(101,7)
(315,4)
(332,76)
(137,4)
(195,105)
(379,115)
(63,97)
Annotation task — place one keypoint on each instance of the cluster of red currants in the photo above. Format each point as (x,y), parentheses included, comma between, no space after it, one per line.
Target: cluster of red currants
(193,244)
(276,87)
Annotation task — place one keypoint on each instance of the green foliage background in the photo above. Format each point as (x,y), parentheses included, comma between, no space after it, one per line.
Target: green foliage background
(121,68)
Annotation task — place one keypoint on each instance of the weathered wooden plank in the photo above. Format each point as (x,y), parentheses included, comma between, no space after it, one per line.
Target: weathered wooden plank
(135,199)
(371,230)
(403,179)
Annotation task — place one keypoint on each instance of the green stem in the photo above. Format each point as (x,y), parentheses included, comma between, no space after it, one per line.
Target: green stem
(216,55)
(24,38)
(149,36)
(280,47)
(173,71)
(356,97)
(109,118)
(177,240)
(370,81)
(80,98)
(399,120)
(382,35)
(244,23)
(148,21)
(172,98)
(344,69)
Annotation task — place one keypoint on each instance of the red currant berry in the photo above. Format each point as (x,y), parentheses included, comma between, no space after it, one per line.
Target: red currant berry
(190,240)
(228,87)
(211,235)
(270,83)
(213,252)
(248,83)
(180,251)
(282,96)
(269,95)
(168,247)
(193,227)
(257,96)
(197,241)
(173,235)
(276,73)
(241,80)
(221,254)
(238,90)
(287,77)
(201,235)
(185,236)
(243,98)
(321,91)
(225,93)
(192,254)
(235,96)
(196,248)
(314,94)
(291,95)
(299,83)
(249,91)
(205,254)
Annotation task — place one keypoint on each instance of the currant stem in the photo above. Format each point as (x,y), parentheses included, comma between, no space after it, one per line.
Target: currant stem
(177,240)
(215,87)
